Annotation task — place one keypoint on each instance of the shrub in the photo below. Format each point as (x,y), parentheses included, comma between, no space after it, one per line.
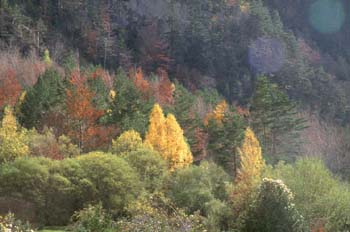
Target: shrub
(128,141)
(110,181)
(92,219)
(319,196)
(27,179)
(274,210)
(10,223)
(58,188)
(150,166)
(155,212)
(202,188)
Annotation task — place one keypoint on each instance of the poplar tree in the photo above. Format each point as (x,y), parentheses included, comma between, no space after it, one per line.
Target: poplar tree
(166,136)
(249,174)
(12,140)
(177,151)
(252,161)
(156,135)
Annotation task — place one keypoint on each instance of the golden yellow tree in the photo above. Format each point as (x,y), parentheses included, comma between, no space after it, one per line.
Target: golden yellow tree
(249,174)
(218,113)
(156,135)
(166,136)
(177,151)
(47,58)
(252,161)
(12,141)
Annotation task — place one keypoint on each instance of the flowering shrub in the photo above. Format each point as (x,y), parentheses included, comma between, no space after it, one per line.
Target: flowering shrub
(156,213)
(8,223)
(92,219)
(274,210)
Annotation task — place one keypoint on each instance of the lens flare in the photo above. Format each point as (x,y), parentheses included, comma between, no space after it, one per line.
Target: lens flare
(266,55)
(327,16)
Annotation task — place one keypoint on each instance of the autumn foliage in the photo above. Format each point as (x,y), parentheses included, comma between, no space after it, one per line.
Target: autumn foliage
(218,113)
(166,136)
(249,174)
(140,82)
(10,89)
(252,162)
(82,114)
(12,138)
(163,89)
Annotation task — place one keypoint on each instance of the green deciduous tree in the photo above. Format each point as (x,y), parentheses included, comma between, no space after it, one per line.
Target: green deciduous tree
(319,196)
(127,142)
(150,166)
(202,188)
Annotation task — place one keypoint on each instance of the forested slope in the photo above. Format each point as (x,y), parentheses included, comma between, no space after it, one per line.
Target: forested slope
(175,115)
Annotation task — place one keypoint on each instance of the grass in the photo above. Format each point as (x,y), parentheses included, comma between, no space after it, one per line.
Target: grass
(53,229)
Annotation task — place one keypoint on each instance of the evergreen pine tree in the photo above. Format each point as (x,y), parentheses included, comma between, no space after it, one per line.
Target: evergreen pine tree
(274,118)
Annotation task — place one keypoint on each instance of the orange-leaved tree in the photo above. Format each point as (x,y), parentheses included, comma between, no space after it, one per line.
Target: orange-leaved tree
(10,89)
(166,136)
(140,82)
(82,115)
(163,88)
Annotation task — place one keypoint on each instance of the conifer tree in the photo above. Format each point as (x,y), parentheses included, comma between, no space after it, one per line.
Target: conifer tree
(226,131)
(188,119)
(274,118)
(12,140)
(42,99)
(128,109)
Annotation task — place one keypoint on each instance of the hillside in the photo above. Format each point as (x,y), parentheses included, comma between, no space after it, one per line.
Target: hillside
(174,115)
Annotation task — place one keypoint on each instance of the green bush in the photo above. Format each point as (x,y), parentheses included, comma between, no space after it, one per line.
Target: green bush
(92,219)
(27,179)
(150,166)
(274,210)
(58,188)
(110,180)
(202,188)
(156,212)
(319,196)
